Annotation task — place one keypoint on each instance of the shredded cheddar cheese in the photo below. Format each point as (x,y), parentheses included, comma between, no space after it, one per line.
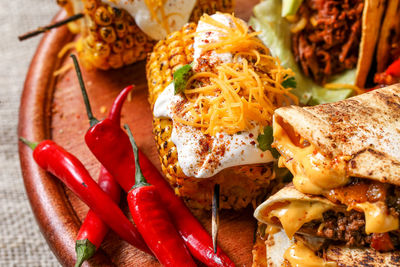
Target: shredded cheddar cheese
(234,96)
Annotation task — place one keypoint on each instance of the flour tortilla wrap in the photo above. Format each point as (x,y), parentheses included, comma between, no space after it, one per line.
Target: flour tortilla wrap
(390,29)
(365,127)
(287,194)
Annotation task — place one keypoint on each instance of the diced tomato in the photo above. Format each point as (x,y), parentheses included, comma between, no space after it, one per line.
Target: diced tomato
(394,68)
(382,242)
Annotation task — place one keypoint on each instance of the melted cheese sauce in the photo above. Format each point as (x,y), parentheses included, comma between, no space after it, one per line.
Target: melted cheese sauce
(176,12)
(294,215)
(377,218)
(313,173)
(299,255)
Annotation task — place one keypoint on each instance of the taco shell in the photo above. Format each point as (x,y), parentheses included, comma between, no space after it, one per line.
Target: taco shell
(390,27)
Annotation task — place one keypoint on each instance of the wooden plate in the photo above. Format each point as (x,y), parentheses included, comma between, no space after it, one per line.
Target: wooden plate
(52,108)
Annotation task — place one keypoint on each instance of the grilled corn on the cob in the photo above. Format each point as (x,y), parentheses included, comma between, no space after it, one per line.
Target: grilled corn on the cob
(110,38)
(240,185)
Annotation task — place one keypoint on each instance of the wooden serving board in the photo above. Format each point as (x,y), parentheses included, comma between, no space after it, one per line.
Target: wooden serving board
(52,108)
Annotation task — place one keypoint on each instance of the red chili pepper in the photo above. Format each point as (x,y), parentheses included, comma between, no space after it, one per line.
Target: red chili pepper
(394,68)
(66,167)
(93,229)
(153,221)
(111,146)
(382,242)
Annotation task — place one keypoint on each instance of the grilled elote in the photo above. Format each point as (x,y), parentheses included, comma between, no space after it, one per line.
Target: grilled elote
(212,131)
(119,32)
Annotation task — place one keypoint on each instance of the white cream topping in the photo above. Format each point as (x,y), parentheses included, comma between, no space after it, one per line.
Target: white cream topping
(204,156)
(210,34)
(177,11)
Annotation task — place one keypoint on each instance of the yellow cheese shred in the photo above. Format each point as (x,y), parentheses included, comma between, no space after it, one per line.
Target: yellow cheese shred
(233,96)
(355,88)
(156,6)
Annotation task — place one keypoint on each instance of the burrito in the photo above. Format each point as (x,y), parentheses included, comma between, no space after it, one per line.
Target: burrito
(273,248)
(326,43)
(345,161)
(388,48)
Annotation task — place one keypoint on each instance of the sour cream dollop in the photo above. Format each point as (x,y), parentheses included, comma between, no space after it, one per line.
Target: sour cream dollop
(177,13)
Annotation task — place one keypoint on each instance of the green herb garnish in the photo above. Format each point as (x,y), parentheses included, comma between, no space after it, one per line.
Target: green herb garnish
(265,141)
(181,76)
(289,83)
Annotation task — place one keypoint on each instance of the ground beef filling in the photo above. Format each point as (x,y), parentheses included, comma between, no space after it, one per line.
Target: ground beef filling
(346,227)
(349,228)
(329,42)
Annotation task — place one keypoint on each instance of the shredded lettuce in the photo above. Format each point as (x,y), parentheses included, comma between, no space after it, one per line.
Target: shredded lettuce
(275,33)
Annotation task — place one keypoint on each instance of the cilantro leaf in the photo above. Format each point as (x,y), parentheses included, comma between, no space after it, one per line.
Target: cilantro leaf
(181,76)
(265,141)
(289,83)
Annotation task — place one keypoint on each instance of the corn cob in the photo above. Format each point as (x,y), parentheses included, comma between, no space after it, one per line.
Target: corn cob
(110,37)
(240,185)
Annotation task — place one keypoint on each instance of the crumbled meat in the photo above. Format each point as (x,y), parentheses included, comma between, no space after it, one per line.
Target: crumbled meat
(329,42)
(349,228)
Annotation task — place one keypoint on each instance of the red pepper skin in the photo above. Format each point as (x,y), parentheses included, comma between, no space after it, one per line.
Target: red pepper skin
(157,229)
(382,242)
(66,167)
(93,228)
(111,146)
(394,68)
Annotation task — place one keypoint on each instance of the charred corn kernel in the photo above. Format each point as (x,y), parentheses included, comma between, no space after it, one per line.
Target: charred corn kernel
(240,185)
(106,24)
(108,34)
(118,46)
(90,6)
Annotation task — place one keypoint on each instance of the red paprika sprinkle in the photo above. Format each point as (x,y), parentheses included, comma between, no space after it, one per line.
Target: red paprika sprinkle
(153,221)
(66,167)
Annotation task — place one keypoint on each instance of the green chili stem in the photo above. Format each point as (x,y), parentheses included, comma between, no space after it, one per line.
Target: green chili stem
(84,251)
(140,180)
(32,145)
(92,120)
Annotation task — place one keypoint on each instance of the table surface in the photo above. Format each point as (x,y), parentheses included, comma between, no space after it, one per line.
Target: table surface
(21,243)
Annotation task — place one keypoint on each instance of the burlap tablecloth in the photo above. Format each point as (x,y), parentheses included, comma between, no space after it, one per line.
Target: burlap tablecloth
(21,243)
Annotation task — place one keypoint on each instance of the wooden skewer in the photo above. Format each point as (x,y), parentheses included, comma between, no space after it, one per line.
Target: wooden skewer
(49,27)
(215,216)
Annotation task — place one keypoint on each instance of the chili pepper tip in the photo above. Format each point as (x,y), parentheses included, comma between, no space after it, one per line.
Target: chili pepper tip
(84,250)
(140,180)
(93,121)
(32,145)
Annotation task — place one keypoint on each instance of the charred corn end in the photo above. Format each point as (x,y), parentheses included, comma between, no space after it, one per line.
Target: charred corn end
(110,37)
(240,185)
